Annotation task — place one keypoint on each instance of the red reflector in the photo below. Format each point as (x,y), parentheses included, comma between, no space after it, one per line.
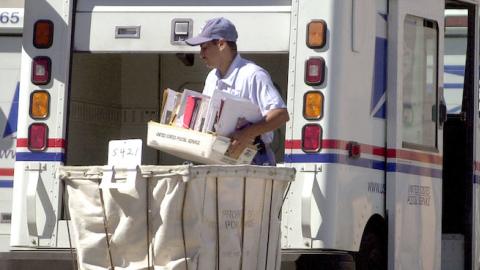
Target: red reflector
(311,138)
(37,137)
(314,71)
(353,149)
(41,69)
(43,34)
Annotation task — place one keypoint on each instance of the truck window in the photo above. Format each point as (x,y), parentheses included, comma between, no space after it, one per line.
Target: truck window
(454,58)
(420,83)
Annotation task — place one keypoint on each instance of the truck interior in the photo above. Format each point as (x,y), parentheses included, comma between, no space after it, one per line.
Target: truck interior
(114,95)
(458,131)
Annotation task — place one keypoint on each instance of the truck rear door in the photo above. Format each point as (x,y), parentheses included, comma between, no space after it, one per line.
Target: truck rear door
(414,134)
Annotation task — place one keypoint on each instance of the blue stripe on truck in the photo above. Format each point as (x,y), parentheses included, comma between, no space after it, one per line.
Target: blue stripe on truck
(22,156)
(6,183)
(364,163)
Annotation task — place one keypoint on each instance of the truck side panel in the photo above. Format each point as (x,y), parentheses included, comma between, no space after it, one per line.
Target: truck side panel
(10,47)
(11,24)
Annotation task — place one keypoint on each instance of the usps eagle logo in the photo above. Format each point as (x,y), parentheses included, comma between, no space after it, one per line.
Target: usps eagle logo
(11,126)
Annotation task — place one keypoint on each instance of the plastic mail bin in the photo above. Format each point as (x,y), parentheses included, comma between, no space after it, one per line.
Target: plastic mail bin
(176,217)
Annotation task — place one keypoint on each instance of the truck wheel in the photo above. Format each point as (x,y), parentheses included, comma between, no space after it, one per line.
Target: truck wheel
(327,261)
(373,251)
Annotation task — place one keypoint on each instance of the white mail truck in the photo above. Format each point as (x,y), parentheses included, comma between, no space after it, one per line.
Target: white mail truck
(387,167)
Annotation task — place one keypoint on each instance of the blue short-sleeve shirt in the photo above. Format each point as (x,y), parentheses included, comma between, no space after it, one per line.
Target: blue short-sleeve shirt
(247,80)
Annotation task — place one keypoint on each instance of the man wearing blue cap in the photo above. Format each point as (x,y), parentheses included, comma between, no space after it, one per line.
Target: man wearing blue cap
(242,78)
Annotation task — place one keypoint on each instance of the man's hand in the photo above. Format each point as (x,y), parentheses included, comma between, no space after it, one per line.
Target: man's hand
(240,140)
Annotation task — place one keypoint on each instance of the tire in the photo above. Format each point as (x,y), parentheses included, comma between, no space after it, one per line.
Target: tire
(329,261)
(373,250)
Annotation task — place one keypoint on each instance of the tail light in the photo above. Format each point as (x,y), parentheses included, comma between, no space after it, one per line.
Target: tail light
(41,70)
(39,104)
(43,34)
(313,105)
(37,137)
(314,71)
(316,34)
(311,138)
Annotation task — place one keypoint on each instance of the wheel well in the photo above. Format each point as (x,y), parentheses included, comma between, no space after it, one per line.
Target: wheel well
(372,253)
(326,260)
(376,224)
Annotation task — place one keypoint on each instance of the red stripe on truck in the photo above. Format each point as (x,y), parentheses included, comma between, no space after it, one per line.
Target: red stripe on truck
(6,171)
(22,142)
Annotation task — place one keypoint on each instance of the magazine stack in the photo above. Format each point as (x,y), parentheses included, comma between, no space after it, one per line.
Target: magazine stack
(197,127)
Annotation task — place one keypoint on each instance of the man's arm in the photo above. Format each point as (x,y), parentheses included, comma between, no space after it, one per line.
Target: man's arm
(240,139)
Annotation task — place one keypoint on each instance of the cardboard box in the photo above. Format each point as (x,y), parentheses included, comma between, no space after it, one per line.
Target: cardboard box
(194,146)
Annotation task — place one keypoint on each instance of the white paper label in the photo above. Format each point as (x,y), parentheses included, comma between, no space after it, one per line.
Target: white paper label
(125,153)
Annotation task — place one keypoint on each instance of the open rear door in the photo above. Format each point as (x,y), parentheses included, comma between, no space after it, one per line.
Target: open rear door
(414,133)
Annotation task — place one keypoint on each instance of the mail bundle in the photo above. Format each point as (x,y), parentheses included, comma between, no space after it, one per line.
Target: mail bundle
(196,127)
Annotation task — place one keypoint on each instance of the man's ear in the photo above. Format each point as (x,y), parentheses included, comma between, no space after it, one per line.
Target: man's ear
(222,44)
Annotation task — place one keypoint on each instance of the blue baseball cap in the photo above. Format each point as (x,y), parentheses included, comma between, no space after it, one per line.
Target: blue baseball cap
(216,28)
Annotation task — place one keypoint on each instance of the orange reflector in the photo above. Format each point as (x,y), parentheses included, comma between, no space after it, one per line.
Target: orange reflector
(37,137)
(316,34)
(39,104)
(313,105)
(311,138)
(43,34)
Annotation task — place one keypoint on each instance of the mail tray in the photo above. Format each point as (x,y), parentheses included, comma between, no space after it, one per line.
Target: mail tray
(195,146)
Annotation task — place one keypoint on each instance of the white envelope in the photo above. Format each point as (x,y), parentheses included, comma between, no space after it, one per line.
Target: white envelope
(236,113)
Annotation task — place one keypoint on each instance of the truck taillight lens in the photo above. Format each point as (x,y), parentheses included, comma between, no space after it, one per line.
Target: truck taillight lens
(41,70)
(37,137)
(314,71)
(313,105)
(316,34)
(311,138)
(43,34)
(39,104)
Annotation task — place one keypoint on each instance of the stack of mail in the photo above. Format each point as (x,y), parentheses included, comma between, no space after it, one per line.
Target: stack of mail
(222,113)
